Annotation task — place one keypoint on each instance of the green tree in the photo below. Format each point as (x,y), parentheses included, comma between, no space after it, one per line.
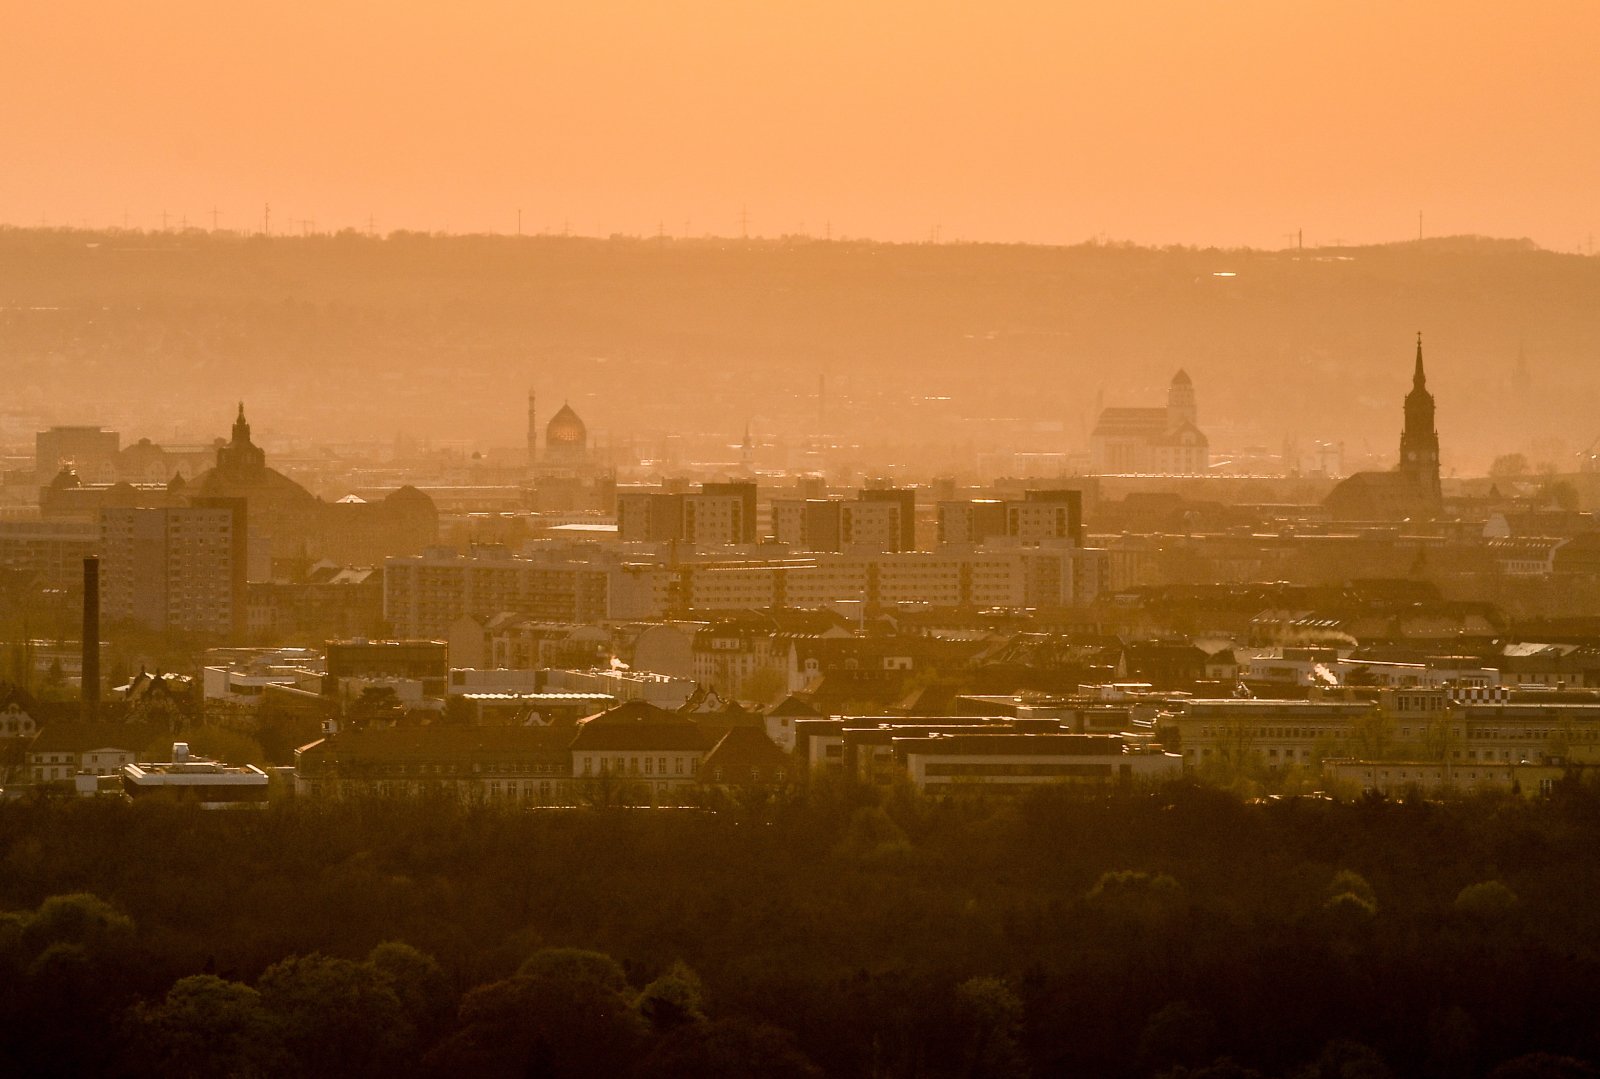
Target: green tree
(417,981)
(1351,903)
(989,1017)
(54,685)
(1348,881)
(675,998)
(1509,465)
(764,685)
(873,836)
(1559,493)
(339,1017)
(218,743)
(376,704)
(78,918)
(574,965)
(1136,897)
(1487,901)
(207,1027)
(566,1014)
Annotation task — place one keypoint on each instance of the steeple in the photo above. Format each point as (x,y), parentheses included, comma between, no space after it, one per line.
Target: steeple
(1419,442)
(241,454)
(1521,377)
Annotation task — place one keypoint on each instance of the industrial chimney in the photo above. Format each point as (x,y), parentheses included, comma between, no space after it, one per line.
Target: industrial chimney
(91,639)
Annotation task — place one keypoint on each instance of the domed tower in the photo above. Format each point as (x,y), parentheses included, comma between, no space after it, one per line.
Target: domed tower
(1419,442)
(1181,407)
(566,439)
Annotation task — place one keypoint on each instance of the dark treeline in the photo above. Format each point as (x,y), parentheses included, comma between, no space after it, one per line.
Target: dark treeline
(1182,933)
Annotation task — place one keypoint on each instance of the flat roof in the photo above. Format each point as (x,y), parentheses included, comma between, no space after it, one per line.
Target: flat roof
(194,774)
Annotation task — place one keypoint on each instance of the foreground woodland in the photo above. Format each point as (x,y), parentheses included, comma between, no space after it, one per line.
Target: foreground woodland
(845,932)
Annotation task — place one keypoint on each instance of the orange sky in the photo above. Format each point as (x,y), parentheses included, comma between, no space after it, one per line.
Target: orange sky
(1158,121)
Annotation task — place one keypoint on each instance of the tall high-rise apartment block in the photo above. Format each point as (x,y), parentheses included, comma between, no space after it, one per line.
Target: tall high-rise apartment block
(177,568)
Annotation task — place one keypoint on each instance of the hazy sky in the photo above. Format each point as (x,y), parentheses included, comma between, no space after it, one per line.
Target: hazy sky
(1162,121)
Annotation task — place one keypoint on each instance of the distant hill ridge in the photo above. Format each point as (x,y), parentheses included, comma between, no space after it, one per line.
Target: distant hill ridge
(356,334)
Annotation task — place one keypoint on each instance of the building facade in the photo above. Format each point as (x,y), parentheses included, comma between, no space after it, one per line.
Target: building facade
(177,569)
(1163,441)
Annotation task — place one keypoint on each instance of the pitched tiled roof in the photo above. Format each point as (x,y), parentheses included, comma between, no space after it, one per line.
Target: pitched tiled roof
(745,752)
(1131,423)
(81,737)
(793,705)
(441,742)
(637,725)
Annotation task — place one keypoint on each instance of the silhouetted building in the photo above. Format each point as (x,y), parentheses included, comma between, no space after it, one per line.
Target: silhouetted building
(564,474)
(1419,442)
(287,519)
(91,452)
(280,510)
(147,462)
(1412,489)
(1153,440)
(68,498)
(426,661)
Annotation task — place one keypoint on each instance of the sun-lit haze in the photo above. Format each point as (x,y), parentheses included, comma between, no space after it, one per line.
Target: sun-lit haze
(1246,123)
(812,539)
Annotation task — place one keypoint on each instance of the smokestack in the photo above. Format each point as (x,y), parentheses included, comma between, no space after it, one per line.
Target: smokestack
(91,639)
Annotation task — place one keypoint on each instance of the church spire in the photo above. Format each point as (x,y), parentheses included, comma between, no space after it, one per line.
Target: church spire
(1419,441)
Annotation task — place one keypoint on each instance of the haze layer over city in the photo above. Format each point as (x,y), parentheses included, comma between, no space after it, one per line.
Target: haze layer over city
(887,350)
(874,540)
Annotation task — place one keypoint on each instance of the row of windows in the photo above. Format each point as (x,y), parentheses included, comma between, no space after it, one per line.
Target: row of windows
(1517,734)
(630,765)
(1273,756)
(1044,768)
(1270,732)
(552,768)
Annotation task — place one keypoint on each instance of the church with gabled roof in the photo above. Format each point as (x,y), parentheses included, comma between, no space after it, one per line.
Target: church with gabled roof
(1412,489)
(1164,441)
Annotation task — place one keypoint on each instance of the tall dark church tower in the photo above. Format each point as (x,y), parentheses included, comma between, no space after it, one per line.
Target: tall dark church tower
(1419,442)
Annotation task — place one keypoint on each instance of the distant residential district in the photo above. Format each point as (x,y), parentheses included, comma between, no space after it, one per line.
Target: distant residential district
(191,622)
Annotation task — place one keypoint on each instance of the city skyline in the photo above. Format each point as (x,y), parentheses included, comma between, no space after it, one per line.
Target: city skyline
(877,539)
